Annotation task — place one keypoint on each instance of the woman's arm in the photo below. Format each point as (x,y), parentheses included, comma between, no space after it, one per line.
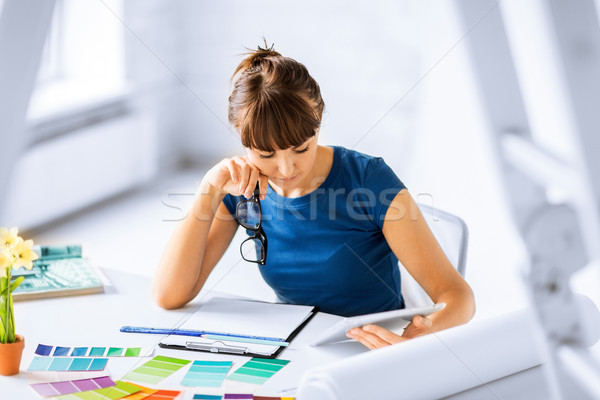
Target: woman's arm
(415,246)
(200,240)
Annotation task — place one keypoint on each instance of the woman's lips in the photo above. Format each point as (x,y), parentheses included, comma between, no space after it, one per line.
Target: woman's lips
(286,179)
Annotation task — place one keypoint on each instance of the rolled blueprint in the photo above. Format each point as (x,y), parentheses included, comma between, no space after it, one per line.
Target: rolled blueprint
(435,365)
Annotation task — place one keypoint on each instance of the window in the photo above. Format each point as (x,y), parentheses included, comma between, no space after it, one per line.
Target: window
(83,61)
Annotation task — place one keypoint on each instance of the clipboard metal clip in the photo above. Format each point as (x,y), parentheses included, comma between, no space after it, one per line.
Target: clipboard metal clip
(216,347)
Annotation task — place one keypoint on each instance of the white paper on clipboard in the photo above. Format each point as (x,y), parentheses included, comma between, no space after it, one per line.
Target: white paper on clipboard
(241,317)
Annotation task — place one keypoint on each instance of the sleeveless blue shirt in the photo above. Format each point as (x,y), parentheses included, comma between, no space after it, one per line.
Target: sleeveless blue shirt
(327,248)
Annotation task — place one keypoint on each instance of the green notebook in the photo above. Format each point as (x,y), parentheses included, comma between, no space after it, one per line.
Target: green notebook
(60,271)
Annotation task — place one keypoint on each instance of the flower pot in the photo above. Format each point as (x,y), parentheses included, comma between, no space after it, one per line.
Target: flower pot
(10,356)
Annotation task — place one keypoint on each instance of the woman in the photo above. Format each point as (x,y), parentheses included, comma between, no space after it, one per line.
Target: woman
(337,221)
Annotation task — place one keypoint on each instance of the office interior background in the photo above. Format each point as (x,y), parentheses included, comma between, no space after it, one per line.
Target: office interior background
(129,109)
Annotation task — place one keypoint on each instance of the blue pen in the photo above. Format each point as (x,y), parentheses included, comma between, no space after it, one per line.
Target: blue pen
(190,332)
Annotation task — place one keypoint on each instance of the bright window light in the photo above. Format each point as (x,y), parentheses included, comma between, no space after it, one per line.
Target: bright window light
(83,61)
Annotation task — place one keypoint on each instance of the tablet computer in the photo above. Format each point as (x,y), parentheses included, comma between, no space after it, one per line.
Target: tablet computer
(338,331)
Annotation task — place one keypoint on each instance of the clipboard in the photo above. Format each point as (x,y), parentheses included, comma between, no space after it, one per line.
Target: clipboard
(242,318)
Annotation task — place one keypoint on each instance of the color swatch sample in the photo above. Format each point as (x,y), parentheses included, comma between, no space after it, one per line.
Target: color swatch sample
(67,364)
(164,395)
(66,387)
(257,370)
(58,351)
(142,394)
(238,396)
(120,390)
(156,369)
(272,398)
(207,373)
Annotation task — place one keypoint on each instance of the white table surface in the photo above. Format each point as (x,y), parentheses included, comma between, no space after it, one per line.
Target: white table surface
(95,320)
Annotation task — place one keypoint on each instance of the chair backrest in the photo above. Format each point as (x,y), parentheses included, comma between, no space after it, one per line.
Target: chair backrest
(452,234)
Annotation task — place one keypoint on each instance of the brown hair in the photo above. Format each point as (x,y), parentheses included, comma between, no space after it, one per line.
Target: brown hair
(275,104)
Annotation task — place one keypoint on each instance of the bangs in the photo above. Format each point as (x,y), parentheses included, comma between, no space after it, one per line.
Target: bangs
(278,121)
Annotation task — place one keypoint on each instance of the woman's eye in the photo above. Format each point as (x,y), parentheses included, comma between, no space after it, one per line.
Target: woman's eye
(267,155)
(304,150)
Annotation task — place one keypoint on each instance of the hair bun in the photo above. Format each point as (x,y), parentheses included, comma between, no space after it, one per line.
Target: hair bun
(257,56)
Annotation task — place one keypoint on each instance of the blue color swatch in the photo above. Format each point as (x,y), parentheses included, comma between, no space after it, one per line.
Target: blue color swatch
(44,350)
(67,364)
(207,373)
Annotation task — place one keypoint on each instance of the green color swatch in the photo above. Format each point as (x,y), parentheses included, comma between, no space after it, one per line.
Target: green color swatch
(156,369)
(120,390)
(114,352)
(133,352)
(257,370)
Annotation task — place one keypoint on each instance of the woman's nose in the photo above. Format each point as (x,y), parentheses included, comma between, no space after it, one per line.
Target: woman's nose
(286,167)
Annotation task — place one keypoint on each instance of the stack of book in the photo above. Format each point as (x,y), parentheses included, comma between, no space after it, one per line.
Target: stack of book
(60,271)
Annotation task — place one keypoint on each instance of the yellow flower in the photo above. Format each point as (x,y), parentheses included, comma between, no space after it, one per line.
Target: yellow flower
(24,254)
(6,262)
(8,237)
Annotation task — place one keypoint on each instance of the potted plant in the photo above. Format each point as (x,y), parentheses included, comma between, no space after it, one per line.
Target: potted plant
(14,252)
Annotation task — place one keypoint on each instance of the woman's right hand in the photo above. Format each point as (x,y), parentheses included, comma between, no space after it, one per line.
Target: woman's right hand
(236,176)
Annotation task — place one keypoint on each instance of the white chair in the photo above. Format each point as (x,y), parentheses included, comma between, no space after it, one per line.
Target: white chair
(452,234)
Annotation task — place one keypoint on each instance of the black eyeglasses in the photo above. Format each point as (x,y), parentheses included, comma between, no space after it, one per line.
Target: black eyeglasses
(248,213)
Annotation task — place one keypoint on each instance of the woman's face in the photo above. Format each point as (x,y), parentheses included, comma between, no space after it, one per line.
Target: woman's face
(288,169)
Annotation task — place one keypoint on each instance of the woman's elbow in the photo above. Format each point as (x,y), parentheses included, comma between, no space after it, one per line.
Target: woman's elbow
(165,298)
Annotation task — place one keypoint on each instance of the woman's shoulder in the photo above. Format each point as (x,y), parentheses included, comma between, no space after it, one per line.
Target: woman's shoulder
(356,161)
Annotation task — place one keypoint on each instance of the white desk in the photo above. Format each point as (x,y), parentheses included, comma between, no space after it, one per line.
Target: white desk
(95,320)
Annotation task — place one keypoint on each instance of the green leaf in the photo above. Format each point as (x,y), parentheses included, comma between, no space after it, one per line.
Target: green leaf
(15,284)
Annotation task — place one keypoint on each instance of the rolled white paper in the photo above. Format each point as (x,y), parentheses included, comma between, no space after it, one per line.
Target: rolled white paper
(435,365)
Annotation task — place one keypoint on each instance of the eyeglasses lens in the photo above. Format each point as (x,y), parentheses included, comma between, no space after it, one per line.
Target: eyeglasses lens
(249,215)
(253,250)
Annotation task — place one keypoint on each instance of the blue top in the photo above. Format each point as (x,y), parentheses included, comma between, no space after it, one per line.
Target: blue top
(327,248)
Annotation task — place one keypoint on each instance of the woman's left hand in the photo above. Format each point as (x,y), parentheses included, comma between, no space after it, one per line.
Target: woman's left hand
(374,336)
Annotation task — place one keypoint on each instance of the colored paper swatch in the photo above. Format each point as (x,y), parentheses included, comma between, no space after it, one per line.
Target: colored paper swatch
(207,373)
(164,395)
(66,387)
(257,370)
(156,369)
(272,398)
(238,396)
(120,390)
(67,364)
(59,351)
(142,394)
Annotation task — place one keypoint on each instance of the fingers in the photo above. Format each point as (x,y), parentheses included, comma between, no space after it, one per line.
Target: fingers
(374,337)
(263,182)
(245,171)
(383,333)
(238,177)
(244,175)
